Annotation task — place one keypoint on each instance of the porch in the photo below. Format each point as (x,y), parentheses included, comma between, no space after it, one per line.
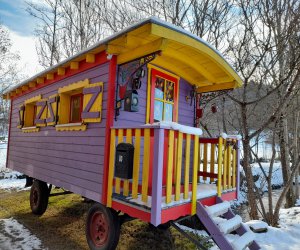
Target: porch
(172,170)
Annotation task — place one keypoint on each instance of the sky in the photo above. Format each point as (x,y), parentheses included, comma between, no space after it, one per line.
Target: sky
(21,27)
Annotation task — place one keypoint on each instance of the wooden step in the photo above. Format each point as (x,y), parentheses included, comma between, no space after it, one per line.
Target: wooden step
(243,241)
(218,209)
(230,225)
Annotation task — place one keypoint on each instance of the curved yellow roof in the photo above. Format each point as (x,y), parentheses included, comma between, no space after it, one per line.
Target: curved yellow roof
(182,53)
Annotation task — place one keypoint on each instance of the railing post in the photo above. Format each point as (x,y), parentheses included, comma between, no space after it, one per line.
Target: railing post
(238,158)
(158,160)
(220,154)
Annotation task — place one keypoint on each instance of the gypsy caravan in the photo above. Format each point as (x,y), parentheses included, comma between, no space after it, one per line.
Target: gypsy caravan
(118,124)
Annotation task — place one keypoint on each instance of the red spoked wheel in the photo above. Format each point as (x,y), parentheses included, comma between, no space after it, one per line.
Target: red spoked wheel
(102,228)
(39,196)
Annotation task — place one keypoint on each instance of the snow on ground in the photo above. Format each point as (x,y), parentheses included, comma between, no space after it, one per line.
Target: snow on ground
(286,236)
(3,150)
(9,180)
(14,235)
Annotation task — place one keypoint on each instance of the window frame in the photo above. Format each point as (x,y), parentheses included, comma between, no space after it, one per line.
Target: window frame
(80,110)
(154,71)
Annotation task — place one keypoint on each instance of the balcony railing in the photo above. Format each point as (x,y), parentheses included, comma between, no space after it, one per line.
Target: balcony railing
(169,165)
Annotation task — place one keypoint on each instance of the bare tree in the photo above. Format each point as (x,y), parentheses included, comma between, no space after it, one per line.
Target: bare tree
(48,31)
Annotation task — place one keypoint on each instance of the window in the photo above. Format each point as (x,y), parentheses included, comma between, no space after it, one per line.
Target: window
(163,100)
(76,108)
(32,114)
(79,103)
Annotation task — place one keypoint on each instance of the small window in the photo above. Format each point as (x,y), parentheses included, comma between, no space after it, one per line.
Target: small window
(163,96)
(76,108)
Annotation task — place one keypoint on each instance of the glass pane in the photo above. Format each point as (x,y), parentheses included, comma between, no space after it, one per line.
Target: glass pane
(170,91)
(168,116)
(75,108)
(158,110)
(159,88)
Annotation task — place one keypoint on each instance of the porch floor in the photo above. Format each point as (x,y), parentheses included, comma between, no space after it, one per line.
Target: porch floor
(203,191)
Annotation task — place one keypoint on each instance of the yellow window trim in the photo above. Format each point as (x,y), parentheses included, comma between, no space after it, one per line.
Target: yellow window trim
(71,127)
(33,99)
(30,129)
(73,86)
(150,67)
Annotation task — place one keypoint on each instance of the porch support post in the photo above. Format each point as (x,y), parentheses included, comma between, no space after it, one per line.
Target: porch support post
(157,176)
(238,158)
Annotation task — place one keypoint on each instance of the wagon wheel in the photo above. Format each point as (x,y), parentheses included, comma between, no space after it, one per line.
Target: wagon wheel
(102,228)
(39,195)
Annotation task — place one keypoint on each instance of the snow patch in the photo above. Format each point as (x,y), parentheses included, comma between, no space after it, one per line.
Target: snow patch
(14,235)
(179,127)
(257,224)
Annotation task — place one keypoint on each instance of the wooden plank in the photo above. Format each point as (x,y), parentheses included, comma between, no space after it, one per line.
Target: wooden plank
(126,181)
(220,152)
(225,166)
(187,165)
(195,174)
(212,161)
(146,159)
(111,167)
(118,180)
(229,165)
(234,168)
(205,160)
(178,166)
(136,163)
(170,166)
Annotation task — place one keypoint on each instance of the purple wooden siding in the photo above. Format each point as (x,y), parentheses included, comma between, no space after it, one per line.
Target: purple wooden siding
(185,111)
(72,160)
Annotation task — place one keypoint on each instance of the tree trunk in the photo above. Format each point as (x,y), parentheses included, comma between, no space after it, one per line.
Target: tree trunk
(285,160)
(250,183)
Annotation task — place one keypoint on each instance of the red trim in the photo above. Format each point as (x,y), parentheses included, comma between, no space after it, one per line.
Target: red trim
(229,196)
(154,73)
(132,211)
(80,110)
(111,86)
(206,174)
(9,129)
(209,140)
(100,58)
(174,213)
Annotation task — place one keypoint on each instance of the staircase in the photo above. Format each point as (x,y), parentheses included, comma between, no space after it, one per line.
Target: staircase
(220,221)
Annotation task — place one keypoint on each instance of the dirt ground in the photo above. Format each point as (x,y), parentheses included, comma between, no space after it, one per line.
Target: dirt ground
(62,227)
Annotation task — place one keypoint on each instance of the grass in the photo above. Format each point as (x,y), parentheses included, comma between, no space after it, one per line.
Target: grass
(62,227)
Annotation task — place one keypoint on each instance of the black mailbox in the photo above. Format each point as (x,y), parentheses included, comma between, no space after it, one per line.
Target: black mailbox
(124,161)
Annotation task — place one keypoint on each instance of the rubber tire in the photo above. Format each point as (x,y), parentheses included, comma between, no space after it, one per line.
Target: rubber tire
(39,197)
(113,222)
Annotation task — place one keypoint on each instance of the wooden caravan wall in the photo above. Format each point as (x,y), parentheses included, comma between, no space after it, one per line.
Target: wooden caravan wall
(71,159)
(185,110)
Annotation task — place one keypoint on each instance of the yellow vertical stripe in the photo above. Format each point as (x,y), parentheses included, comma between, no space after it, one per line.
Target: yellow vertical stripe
(178,167)
(118,180)
(225,167)
(136,163)
(148,96)
(126,182)
(205,160)
(195,174)
(146,162)
(229,165)
(187,165)
(111,167)
(170,166)
(234,168)
(212,161)
(220,152)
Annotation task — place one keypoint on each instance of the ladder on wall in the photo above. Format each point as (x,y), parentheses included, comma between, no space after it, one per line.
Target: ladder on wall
(220,221)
